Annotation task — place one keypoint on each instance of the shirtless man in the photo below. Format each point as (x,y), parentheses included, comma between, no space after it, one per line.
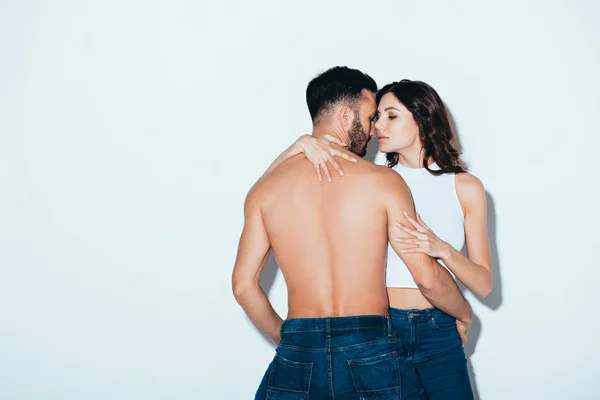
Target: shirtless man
(330,242)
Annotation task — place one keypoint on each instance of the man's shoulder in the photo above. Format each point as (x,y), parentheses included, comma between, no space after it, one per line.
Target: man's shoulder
(276,179)
(291,166)
(391,187)
(255,194)
(388,176)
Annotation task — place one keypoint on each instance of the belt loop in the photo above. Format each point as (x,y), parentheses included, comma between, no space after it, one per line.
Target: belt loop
(388,320)
(328,326)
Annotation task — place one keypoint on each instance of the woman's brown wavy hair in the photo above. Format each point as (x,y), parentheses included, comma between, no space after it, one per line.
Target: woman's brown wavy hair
(435,131)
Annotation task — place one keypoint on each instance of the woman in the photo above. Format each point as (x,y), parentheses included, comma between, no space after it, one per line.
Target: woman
(414,131)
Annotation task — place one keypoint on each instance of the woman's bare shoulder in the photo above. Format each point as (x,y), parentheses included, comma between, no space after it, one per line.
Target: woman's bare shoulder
(470,190)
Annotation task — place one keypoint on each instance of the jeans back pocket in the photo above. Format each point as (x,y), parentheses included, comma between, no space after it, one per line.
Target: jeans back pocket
(376,378)
(289,380)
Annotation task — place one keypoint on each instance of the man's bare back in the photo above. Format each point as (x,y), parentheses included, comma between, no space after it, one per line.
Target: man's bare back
(330,239)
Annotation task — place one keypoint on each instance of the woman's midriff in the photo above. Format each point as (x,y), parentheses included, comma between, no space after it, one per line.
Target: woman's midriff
(407,299)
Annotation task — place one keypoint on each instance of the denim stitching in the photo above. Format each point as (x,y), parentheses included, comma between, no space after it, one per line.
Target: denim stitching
(339,349)
(398,377)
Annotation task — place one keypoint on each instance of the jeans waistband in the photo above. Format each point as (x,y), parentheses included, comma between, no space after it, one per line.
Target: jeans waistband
(337,324)
(426,313)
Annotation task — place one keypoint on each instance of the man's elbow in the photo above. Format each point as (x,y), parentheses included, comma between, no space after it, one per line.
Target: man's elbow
(241,287)
(425,280)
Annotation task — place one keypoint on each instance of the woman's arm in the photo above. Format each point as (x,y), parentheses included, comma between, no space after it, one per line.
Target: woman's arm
(475,272)
(318,151)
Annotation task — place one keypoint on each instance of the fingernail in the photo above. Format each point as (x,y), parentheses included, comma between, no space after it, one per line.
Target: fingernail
(329,179)
(402,251)
(342,173)
(355,160)
(398,224)
(405,213)
(396,239)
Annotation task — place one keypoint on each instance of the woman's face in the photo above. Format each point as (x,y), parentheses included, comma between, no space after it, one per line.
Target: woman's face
(395,128)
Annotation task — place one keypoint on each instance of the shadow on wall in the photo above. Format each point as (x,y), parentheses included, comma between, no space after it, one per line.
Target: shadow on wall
(494,299)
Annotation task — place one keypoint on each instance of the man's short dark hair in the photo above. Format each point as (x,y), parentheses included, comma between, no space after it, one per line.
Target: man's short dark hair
(337,84)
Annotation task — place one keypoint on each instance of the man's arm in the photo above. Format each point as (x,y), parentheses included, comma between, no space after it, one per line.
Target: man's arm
(251,258)
(432,279)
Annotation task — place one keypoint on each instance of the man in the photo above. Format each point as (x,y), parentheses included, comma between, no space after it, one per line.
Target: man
(330,242)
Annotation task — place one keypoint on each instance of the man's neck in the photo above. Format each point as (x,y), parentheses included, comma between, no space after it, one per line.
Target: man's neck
(322,130)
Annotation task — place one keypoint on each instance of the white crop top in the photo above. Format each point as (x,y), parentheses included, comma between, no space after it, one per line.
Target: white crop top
(437,202)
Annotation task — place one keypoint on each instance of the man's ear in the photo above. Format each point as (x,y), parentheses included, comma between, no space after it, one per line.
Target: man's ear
(346,116)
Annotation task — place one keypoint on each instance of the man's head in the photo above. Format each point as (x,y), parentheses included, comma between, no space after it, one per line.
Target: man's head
(343,99)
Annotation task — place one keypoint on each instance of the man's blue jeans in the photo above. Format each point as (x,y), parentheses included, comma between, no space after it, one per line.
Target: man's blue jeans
(356,357)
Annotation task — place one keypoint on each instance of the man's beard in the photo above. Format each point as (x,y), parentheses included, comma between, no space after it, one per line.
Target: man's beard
(358,139)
